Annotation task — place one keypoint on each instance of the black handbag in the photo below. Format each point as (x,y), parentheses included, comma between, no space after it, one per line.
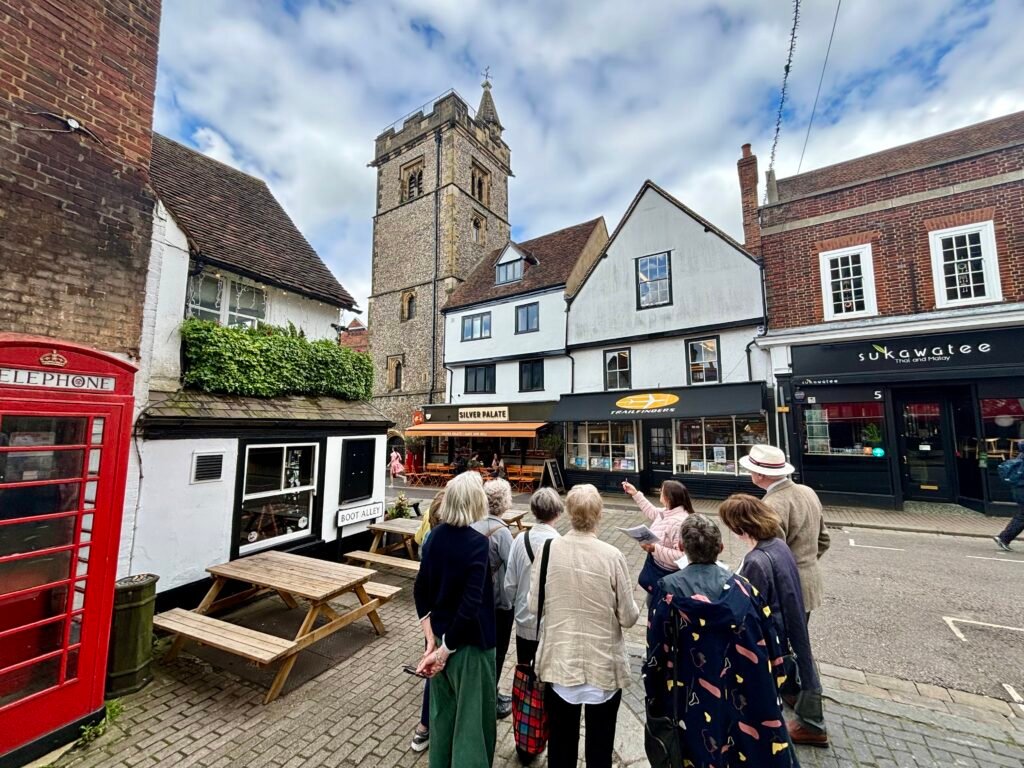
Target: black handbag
(651,574)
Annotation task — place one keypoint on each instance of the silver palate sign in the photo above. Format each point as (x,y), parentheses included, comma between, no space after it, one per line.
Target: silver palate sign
(484,413)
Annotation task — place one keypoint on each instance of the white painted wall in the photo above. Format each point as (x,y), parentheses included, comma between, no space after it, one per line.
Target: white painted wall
(312,316)
(712,282)
(169,262)
(332,486)
(662,363)
(557,372)
(504,340)
(183,528)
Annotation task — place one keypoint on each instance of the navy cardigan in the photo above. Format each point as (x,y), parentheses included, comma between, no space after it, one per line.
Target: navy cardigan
(771,568)
(454,587)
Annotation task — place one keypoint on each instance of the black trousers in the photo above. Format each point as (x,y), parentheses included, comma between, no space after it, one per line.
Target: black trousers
(503,621)
(1015,527)
(564,722)
(526,650)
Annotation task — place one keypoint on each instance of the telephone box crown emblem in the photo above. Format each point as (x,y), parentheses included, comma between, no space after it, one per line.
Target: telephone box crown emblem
(53,359)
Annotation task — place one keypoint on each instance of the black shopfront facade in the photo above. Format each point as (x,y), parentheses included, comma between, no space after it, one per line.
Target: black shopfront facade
(887,420)
(693,434)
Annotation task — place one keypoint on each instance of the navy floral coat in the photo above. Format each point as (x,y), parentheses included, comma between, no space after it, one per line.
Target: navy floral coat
(713,666)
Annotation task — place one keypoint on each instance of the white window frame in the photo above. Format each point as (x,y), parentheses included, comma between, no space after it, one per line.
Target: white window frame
(867,269)
(990,264)
(225,285)
(245,549)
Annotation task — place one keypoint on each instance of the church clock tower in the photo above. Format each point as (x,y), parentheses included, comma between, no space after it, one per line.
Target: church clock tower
(442,206)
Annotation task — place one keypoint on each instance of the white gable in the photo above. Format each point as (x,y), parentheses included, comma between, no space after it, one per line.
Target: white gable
(511,253)
(712,282)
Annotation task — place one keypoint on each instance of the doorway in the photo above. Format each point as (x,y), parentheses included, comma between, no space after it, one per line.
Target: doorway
(926,454)
(657,453)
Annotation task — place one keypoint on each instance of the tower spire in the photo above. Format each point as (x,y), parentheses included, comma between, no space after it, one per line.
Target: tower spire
(486,112)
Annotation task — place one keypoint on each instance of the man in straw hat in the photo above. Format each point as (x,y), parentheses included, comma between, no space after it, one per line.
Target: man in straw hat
(799,509)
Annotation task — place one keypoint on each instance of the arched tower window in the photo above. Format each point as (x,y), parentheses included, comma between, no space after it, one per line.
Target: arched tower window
(412,180)
(408,307)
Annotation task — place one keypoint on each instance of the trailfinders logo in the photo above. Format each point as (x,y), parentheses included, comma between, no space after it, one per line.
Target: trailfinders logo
(939,353)
(649,402)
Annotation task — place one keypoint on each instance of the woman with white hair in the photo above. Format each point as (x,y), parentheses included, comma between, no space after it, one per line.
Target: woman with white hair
(499,538)
(453,600)
(588,601)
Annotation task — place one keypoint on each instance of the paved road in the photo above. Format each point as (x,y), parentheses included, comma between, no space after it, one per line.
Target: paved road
(884,609)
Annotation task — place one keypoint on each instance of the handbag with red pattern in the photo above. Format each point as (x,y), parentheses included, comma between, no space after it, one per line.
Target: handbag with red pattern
(529,719)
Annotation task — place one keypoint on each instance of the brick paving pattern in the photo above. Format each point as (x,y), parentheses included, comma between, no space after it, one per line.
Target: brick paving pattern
(361,712)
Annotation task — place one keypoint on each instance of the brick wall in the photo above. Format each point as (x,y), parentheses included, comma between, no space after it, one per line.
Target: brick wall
(899,236)
(76,211)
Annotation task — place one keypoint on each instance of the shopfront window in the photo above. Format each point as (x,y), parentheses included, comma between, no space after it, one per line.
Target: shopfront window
(713,446)
(277,494)
(1003,424)
(844,429)
(602,446)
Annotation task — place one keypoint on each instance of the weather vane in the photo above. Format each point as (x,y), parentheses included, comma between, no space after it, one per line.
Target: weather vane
(487,74)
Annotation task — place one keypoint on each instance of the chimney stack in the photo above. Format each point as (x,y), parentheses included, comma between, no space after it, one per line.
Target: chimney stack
(746,166)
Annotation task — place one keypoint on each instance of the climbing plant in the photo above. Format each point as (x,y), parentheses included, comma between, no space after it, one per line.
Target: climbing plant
(268,361)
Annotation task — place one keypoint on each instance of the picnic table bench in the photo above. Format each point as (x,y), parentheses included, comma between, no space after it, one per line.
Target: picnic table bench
(404,529)
(293,578)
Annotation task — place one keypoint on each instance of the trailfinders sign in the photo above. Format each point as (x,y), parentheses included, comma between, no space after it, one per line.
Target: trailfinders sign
(974,353)
(484,413)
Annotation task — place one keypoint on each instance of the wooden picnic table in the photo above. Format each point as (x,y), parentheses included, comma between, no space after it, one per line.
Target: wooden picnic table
(403,527)
(293,578)
(515,517)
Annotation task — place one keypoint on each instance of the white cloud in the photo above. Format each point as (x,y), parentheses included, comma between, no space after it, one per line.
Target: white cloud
(596,95)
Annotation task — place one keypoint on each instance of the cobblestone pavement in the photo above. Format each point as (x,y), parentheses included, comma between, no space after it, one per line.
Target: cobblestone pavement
(949,519)
(361,712)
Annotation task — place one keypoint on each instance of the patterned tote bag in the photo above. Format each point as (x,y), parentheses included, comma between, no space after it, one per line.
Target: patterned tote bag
(529,720)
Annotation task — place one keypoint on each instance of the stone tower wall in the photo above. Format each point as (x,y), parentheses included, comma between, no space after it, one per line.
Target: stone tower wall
(404,243)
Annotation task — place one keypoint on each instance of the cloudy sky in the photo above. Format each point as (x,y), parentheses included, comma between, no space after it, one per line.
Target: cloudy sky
(595,95)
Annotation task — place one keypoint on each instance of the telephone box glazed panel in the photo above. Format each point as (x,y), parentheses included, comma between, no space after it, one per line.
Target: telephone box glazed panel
(65,420)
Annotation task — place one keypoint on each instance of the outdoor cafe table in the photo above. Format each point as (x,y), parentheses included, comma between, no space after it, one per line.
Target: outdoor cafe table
(293,578)
(403,527)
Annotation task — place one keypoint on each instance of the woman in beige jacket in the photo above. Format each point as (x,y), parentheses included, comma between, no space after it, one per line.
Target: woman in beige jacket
(588,601)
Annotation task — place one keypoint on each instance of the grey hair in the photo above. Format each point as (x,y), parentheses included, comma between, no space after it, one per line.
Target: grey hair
(546,504)
(464,500)
(499,496)
(701,539)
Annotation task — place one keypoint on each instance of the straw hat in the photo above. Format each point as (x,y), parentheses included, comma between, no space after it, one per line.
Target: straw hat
(767,460)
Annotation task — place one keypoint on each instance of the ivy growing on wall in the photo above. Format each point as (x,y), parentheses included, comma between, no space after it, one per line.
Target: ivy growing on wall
(268,361)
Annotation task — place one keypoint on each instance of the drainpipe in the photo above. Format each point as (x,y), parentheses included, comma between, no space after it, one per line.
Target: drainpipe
(451,382)
(565,346)
(437,258)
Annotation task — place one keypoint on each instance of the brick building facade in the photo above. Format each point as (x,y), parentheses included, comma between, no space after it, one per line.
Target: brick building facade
(442,205)
(75,206)
(895,289)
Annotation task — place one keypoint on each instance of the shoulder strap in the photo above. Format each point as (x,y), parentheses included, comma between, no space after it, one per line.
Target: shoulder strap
(543,579)
(491,530)
(529,549)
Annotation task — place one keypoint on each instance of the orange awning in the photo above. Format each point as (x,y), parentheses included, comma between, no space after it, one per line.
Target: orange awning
(477,429)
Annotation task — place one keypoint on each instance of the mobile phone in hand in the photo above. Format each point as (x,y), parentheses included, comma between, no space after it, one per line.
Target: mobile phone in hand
(409,669)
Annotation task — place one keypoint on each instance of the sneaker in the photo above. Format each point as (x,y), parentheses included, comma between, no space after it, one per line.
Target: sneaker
(420,740)
(1001,544)
(802,735)
(504,706)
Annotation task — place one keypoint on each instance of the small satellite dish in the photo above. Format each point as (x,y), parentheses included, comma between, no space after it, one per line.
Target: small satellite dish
(73,124)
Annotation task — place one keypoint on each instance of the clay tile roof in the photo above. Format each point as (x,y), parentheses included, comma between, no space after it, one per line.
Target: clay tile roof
(233,221)
(355,325)
(186,404)
(555,255)
(971,140)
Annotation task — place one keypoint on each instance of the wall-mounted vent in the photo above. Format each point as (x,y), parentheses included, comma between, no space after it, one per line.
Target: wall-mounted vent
(207,467)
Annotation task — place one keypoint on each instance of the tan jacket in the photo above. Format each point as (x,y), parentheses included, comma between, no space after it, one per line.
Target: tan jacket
(588,602)
(803,528)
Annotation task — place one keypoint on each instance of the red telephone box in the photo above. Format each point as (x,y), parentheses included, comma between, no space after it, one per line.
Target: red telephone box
(65,421)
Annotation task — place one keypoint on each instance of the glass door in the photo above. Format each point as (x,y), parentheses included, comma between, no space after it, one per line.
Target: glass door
(657,453)
(925,456)
(56,552)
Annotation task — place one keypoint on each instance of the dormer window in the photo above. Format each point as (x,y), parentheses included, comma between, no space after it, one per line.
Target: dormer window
(509,272)
(412,180)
